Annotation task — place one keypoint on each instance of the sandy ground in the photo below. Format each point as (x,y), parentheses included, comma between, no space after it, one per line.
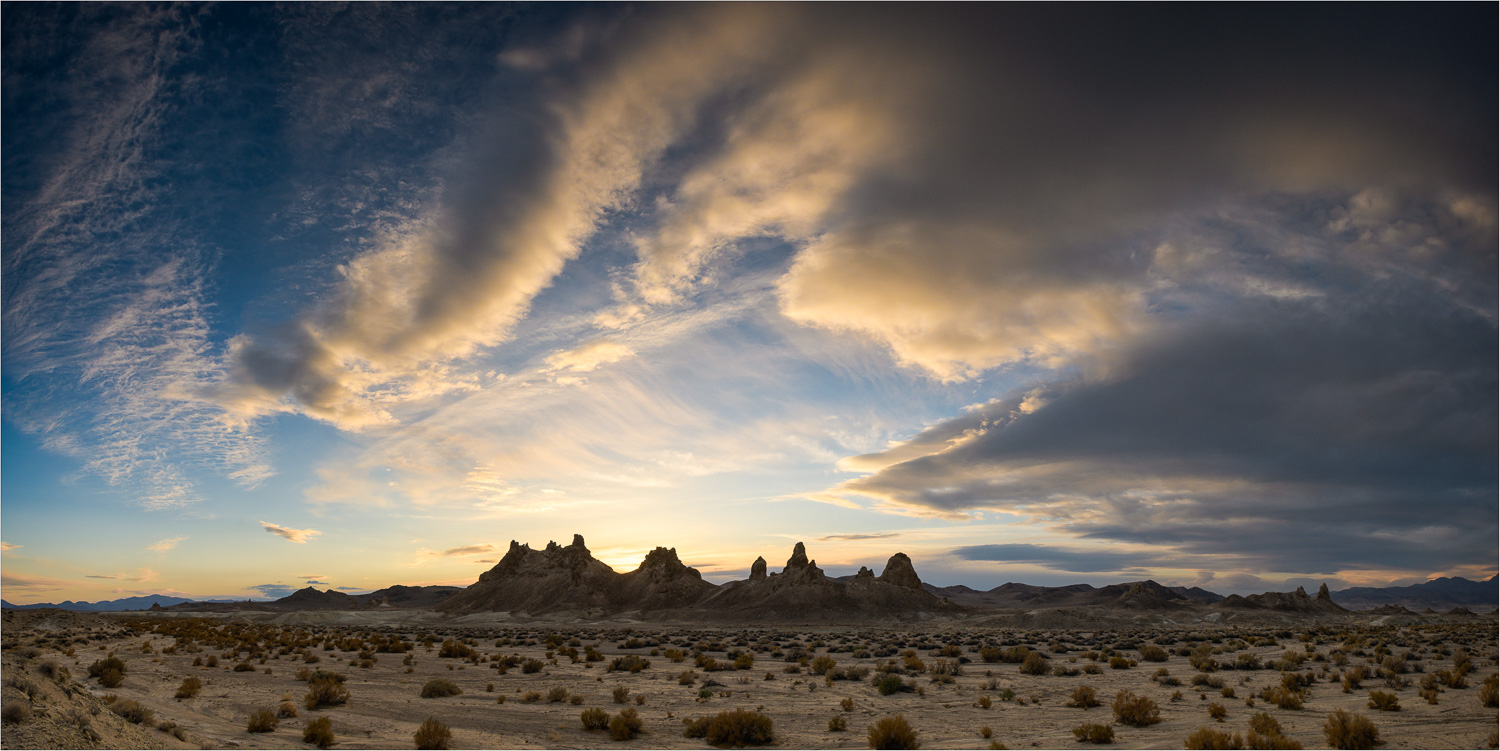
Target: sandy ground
(385,706)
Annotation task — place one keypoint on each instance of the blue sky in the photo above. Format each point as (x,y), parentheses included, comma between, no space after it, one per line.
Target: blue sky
(356,295)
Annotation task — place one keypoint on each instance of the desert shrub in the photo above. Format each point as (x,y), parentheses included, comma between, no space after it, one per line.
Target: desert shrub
(631,663)
(1217,711)
(457,649)
(189,688)
(625,725)
(1083,697)
(1247,661)
(1265,733)
(744,661)
(132,711)
(889,684)
(319,732)
(986,731)
(1350,730)
(438,688)
(15,712)
(97,669)
(594,718)
(847,704)
(984,702)
(325,692)
(892,731)
(687,678)
(1094,732)
(1210,738)
(213,661)
(1153,653)
(822,664)
(557,694)
(286,710)
(1138,711)
(111,678)
(53,670)
(1035,664)
(433,734)
(620,694)
(1489,690)
(989,654)
(532,666)
(1384,701)
(1282,697)
(244,667)
(262,721)
(1121,663)
(738,728)
(837,724)
(1352,678)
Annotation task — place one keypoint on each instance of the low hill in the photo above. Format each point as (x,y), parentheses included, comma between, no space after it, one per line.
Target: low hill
(1440,594)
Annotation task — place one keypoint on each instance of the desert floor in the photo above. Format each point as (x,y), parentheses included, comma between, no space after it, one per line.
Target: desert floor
(385,706)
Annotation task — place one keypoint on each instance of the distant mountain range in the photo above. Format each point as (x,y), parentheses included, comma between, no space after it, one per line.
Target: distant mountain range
(561,578)
(1437,594)
(125,603)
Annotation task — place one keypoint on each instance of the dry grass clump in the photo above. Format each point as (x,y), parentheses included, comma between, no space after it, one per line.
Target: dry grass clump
(1346,730)
(1384,701)
(1265,733)
(457,649)
(438,688)
(286,710)
(1083,697)
(1094,732)
(262,721)
(557,695)
(1217,711)
(325,691)
(1137,711)
(837,724)
(319,732)
(620,694)
(892,731)
(889,684)
(189,688)
(1209,738)
(1489,690)
(736,727)
(625,725)
(15,712)
(1153,653)
(433,734)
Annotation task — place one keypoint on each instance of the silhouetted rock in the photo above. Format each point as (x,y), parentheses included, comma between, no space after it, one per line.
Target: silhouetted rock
(900,573)
(758,569)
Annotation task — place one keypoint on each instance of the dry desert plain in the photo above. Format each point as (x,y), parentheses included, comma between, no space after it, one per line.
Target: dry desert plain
(526,685)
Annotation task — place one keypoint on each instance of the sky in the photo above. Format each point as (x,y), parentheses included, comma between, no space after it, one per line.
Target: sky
(353,296)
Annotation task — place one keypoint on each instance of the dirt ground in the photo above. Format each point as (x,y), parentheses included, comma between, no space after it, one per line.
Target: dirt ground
(385,706)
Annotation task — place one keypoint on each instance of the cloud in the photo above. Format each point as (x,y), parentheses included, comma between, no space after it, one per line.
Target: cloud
(165,544)
(141,575)
(1058,559)
(485,560)
(871,536)
(589,356)
(273,591)
(299,536)
(31,584)
(469,550)
(1282,434)
(5,546)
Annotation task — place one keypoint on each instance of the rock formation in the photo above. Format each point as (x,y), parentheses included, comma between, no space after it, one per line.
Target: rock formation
(900,573)
(569,578)
(758,569)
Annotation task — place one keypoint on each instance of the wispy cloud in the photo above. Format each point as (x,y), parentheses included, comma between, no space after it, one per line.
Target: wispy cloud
(867,536)
(163,545)
(32,584)
(299,536)
(469,550)
(140,575)
(5,546)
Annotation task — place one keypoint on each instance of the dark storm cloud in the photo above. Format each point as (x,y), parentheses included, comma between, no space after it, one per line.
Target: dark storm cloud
(1058,559)
(1297,435)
